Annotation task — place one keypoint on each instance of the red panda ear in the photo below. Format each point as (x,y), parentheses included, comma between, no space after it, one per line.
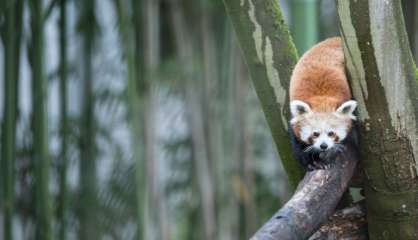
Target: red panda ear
(347,109)
(298,108)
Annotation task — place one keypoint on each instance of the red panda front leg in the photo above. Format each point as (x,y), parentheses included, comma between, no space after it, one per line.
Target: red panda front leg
(321,164)
(309,160)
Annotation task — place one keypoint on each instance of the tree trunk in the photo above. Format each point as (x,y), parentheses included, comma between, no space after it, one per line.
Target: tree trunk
(40,144)
(384,83)
(89,228)
(194,115)
(8,146)
(244,178)
(157,218)
(132,45)
(135,86)
(227,170)
(261,30)
(63,161)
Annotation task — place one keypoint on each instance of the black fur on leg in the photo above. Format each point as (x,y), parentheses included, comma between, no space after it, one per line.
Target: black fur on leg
(305,158)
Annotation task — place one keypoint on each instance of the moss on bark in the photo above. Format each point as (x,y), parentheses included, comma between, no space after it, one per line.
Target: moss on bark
(270,56)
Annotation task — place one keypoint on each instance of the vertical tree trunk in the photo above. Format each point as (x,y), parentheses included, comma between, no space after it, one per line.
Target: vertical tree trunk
(258,25)
(194,115)
(131,38)
(227,165)
(134,89)
(208,86)
(200,156)
(19,4)
(384,83)
(147,97)
(40,143)
(247,211)
(89,228)
(63,161)
(304,24)
(9,121)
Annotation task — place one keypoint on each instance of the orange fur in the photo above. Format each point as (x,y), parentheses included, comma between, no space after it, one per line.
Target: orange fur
(319,77)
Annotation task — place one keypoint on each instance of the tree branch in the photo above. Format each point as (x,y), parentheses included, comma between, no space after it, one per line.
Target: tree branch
(348,223)
(313,202)
(270,56)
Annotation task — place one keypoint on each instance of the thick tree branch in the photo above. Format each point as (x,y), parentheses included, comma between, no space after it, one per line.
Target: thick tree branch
(313,202)
(348,223)
(270,56)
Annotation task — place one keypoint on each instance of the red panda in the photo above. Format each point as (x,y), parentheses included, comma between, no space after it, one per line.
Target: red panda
(321,104)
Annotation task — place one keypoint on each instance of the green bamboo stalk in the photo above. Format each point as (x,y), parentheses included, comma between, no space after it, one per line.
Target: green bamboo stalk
(40,143)
(9,123)
(18,41)
(63,161)
(89,228)
(136,86)
(305,24)
(132,44)
(261,31)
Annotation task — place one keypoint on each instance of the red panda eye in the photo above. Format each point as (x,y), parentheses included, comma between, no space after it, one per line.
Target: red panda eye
(331,134)
(315,134)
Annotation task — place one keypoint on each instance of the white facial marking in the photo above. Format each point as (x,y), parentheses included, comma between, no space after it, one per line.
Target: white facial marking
(341,132)
(305,133)
(323,129)
(323,139)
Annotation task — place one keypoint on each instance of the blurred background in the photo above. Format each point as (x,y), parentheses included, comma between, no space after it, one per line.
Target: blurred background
(136,119)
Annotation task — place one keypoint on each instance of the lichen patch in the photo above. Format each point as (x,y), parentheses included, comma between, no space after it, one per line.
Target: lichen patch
(257,34)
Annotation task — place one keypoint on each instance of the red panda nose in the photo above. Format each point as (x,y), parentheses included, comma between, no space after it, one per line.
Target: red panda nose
(323,146)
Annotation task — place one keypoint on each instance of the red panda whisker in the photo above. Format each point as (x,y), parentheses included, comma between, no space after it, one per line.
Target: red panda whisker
(308,149)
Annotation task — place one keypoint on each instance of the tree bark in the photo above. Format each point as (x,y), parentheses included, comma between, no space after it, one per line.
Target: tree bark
(384,83)
(40,144)
(313,202)
(348,223)
(260,29)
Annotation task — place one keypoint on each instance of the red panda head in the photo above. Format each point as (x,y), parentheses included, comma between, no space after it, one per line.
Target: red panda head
(322,130)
